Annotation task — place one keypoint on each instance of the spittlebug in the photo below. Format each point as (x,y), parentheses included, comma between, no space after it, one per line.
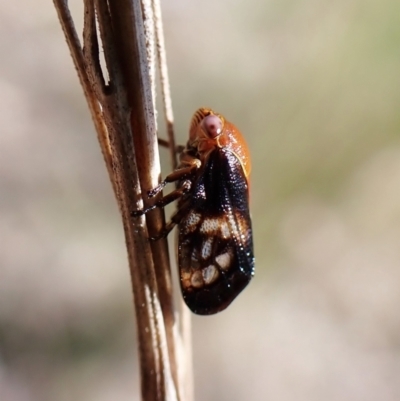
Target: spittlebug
(215,245)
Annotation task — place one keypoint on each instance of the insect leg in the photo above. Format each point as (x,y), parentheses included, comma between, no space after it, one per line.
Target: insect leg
(167,199)
(174,176)
(163,142)
(175,219)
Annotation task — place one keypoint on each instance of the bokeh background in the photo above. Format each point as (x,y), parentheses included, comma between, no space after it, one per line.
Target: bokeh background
(315,88)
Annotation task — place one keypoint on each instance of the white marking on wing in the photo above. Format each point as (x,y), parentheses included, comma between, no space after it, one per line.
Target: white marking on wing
(209,226)
(224,260)
(210,274)
(225,232)
(191,222)
(206,248)
(197,279)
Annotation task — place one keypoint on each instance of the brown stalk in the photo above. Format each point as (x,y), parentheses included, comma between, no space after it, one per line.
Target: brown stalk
(185,373)
(124,116)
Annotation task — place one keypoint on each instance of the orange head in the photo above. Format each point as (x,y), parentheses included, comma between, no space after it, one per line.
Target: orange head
(209,130)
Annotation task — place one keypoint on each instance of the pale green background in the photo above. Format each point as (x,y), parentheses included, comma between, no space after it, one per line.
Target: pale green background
(315,88)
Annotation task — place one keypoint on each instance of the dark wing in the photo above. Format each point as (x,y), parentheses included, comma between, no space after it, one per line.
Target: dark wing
(215,248)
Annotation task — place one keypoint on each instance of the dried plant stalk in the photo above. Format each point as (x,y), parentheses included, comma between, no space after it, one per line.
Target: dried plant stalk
(124,116)
(165,88)
(185,373)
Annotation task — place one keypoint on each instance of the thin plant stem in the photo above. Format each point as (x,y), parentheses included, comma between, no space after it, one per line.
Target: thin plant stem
(124,117)
(165,86)
(186,371)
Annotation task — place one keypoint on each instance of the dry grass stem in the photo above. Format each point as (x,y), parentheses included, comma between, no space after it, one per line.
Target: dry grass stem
(165,87)
(124,115)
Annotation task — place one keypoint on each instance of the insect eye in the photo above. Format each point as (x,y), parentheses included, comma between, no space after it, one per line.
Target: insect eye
(213,125)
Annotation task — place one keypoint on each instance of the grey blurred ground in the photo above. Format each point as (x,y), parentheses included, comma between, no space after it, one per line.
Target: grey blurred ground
(315,87)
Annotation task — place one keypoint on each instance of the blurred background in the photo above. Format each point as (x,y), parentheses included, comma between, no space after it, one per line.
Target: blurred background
(315,88)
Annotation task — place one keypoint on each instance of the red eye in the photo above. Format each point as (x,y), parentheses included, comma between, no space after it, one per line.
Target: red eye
(213,125)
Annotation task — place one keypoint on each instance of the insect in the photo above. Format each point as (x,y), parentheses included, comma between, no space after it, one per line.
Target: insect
(215,245)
